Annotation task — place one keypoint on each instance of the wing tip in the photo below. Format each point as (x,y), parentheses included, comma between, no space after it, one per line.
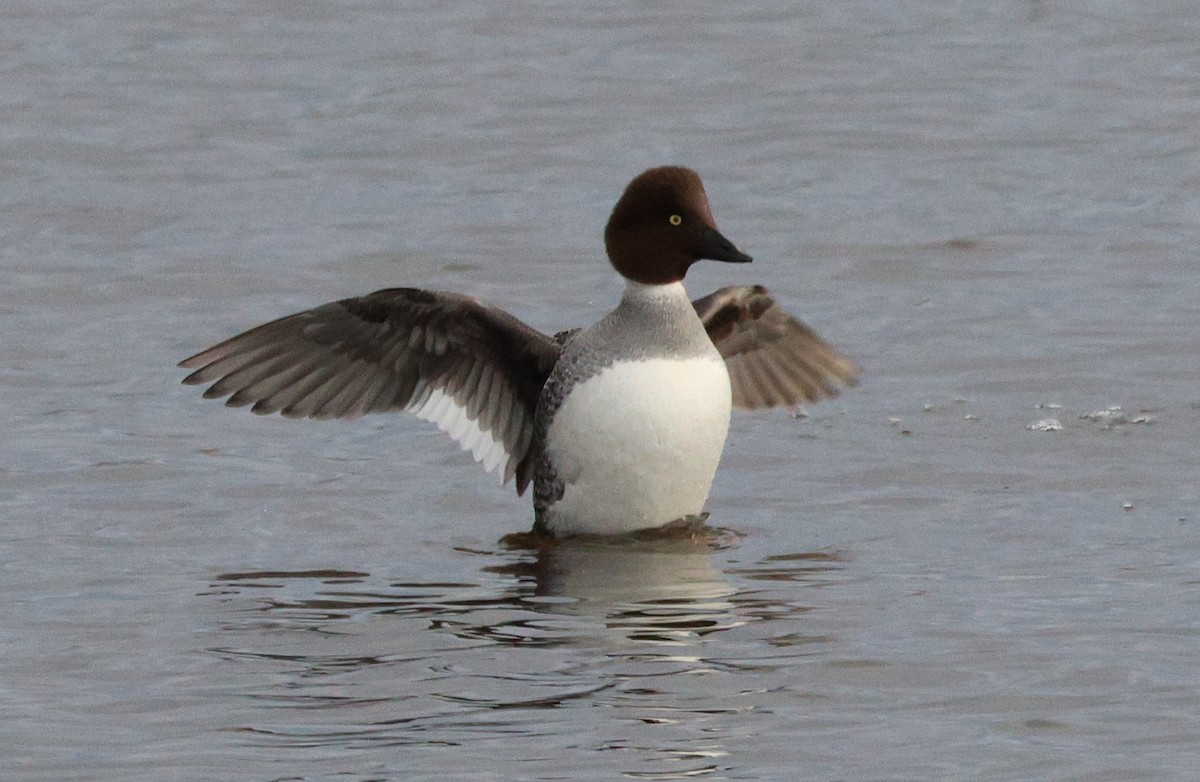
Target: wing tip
(193,361)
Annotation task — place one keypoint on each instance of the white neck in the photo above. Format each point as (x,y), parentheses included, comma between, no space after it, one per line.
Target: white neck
(640,291)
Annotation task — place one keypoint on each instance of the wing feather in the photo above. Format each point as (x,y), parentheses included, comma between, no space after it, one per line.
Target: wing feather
(471,369)
(773,359)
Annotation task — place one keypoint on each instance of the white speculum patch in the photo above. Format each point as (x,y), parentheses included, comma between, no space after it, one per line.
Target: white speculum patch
(451,417)
(637,445)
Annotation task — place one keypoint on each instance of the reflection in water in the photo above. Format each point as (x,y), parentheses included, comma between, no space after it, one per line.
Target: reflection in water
(663,590)
(531,647)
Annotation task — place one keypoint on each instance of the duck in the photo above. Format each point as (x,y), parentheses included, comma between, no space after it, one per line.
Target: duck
(618,426)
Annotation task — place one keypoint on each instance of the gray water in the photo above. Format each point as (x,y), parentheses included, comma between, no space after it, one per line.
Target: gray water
(993,207)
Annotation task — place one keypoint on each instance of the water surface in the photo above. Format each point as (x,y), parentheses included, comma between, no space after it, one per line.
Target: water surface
(992,207)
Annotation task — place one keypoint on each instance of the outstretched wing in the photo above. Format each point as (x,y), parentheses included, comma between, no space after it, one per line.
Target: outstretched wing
(470,368)
(773,359)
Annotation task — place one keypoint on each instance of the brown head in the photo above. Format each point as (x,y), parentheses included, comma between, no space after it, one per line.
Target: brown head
(662,225)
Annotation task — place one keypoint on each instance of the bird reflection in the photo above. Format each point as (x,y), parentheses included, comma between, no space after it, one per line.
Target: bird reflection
(656,587)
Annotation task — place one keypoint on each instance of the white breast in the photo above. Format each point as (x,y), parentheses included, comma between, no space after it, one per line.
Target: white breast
(637,445)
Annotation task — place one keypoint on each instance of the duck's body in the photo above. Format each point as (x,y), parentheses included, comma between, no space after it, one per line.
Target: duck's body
(620,426)
(632,422)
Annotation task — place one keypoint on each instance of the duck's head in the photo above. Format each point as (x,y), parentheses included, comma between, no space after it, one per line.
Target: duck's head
(662,225)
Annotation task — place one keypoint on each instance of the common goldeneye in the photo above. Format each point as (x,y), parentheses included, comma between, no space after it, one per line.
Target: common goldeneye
(619,426)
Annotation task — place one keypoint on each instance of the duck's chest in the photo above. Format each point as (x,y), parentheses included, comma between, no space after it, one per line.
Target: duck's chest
(636,445)
(635,406)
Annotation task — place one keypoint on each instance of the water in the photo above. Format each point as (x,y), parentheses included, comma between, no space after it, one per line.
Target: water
(992,206)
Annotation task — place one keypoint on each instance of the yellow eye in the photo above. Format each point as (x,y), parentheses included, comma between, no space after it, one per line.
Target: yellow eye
(675,219)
